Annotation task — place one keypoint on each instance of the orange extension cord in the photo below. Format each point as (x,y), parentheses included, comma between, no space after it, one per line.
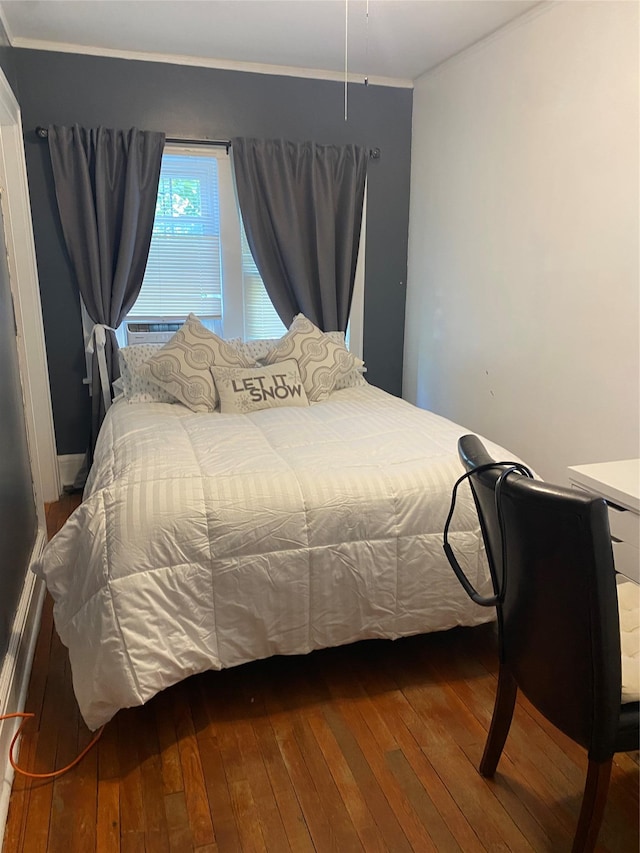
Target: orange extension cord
(26,716)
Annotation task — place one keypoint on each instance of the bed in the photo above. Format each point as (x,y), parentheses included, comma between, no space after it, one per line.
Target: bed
(206,540)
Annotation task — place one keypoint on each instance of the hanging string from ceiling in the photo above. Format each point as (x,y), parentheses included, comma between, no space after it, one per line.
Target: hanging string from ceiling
(346,54)
(346,57)
(366,46)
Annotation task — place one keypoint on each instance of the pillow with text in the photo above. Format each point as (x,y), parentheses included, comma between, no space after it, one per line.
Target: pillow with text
(244,390)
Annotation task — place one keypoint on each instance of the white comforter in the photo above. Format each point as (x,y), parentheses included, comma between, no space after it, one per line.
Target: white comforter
(208,540)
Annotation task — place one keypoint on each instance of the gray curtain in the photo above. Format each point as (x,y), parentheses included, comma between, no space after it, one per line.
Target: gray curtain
(301,205)
(106,185)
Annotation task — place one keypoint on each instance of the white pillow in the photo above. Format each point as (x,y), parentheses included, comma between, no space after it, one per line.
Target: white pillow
(137,388)
(117,389)
(256,350)
(321,360)
(250,389)
(336,337)
(182,367)
(353,379)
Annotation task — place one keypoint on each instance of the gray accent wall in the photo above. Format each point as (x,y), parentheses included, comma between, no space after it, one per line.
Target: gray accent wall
(62,88)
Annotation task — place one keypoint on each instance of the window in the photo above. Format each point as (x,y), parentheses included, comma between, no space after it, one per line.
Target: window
(184,268)
(199,259)
(261,319)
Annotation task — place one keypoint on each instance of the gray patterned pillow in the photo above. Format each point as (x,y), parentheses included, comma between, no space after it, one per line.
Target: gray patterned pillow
(249,389)
(321,360)
(183,365)
(353,378)
(259,348)
(135,387)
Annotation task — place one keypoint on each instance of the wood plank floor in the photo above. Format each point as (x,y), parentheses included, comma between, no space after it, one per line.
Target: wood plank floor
(371,747)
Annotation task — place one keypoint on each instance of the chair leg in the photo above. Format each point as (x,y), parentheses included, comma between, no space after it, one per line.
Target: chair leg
(500,722)
(593,803)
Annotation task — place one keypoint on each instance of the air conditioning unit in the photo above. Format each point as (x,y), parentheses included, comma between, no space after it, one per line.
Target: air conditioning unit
(150,333)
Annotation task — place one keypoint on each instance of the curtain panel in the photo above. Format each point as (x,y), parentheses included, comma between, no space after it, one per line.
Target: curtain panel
(301,205)
(106,184)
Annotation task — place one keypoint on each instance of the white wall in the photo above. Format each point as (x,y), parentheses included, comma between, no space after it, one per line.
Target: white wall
(523,289)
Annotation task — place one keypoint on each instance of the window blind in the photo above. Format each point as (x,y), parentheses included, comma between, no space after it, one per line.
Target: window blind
(261,320)
(184,268)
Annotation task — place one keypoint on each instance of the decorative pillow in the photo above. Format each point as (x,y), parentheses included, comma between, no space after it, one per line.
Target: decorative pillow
(353,379)
(183,365)
(259,348)
(321,361)
(256,350)
(117,390)
(250,389)
(336,337)
(137,388)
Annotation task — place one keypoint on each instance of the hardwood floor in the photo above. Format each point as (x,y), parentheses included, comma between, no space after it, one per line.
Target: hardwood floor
(370,747)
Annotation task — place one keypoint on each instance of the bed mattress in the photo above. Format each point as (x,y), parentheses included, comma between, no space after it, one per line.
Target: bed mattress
(207,540)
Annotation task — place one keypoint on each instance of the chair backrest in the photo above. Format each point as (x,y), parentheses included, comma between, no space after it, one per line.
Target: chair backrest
(558,620)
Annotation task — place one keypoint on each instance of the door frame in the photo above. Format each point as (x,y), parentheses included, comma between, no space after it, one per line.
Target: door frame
(25,289)
(15,666)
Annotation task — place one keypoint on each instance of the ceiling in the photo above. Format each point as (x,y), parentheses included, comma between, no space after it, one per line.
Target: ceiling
(388,41)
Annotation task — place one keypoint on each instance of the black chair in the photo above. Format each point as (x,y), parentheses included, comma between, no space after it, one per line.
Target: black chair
(551,563)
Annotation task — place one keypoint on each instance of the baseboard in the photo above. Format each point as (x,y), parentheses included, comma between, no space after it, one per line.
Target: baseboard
(69,465)
(16,669)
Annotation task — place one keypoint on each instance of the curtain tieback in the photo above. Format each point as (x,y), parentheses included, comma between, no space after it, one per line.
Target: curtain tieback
(97,343)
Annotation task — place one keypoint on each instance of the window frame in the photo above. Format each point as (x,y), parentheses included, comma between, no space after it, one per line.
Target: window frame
(233,295)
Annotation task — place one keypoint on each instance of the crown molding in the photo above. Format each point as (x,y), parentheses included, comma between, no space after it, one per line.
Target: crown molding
(206,62)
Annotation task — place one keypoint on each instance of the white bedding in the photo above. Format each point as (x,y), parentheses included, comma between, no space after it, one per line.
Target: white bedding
(206,540)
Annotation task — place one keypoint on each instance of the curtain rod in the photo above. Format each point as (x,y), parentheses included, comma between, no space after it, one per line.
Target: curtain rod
(43,133)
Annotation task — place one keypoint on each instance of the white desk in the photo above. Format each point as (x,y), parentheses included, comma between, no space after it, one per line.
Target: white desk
(619,484)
